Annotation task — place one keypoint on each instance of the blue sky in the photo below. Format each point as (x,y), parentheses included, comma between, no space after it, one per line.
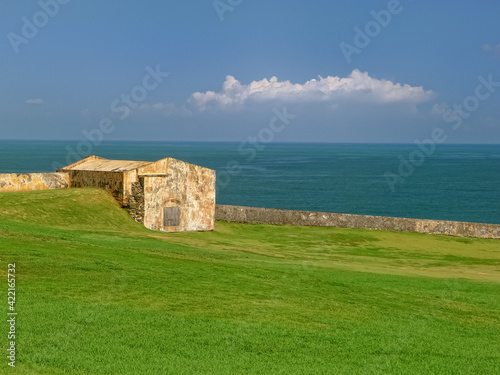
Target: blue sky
(68,66)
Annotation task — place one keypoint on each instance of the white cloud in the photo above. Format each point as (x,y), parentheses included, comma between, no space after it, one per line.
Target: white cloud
(358,86)
(440,109)
(492,49)
(166,109)
(34,101)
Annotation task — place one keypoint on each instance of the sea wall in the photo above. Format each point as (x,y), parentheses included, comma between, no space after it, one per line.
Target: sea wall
(33,181)
(256,215)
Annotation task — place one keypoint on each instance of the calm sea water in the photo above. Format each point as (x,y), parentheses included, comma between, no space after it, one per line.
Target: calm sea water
(454,183)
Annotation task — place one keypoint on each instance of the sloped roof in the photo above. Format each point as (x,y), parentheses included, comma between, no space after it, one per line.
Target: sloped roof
(95,163)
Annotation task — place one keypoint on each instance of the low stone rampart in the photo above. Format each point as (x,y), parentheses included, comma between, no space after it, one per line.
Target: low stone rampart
(254,215)
(33,181)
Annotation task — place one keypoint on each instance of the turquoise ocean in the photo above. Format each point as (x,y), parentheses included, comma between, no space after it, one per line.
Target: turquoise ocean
(454,182)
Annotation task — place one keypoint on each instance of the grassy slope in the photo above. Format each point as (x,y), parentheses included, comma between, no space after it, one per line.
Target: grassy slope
(98,293)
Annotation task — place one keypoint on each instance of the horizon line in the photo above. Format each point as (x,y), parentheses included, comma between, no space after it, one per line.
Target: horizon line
(239,142)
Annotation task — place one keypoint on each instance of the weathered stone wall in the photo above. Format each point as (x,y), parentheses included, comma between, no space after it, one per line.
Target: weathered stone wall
(109,181)
(33,181)
(129,179)
(136,201)
(155,198)
(286,217)
(174,183)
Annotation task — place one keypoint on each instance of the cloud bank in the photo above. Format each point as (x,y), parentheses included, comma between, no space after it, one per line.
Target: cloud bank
(167,109)
(357,87)
(493,49)
(34,101)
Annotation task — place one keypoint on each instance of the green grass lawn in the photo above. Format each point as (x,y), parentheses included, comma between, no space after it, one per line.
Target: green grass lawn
(98,293)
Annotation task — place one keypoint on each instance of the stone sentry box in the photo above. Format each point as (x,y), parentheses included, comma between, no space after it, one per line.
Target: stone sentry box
(167,195)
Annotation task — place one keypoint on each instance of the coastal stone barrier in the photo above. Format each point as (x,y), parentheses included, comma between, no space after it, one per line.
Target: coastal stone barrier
(33,181)
(255,215)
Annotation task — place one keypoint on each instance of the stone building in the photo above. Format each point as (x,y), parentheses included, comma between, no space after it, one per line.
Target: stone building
(168,195)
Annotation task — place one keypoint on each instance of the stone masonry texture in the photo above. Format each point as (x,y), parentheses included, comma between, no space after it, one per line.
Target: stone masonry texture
(33,181)
(179,184)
